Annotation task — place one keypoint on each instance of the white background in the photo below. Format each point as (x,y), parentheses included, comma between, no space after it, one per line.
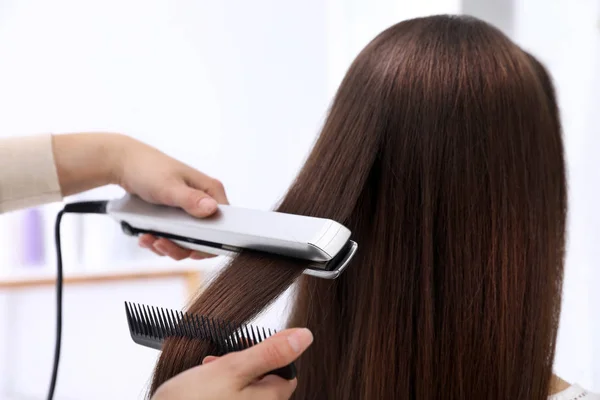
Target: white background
(238,89)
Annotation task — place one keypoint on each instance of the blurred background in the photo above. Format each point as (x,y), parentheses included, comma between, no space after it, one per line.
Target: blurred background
(239,90)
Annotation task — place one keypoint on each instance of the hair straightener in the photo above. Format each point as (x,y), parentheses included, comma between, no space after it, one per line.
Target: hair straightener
(323,243)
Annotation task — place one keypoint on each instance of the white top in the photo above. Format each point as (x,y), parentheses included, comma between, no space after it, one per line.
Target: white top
(28,174)
(574,392)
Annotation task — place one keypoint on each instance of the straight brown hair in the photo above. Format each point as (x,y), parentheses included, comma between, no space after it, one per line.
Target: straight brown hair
(442,153)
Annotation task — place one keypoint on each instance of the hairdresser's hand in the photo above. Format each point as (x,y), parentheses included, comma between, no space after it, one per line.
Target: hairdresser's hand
(160,179)
(238,375)
(86,161)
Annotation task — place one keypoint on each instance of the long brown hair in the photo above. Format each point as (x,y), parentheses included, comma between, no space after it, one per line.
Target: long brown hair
(442,153)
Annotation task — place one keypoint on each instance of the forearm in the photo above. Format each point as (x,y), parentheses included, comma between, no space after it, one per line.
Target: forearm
(86,161)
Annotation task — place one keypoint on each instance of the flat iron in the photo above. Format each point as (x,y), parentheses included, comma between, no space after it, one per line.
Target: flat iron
(232,230)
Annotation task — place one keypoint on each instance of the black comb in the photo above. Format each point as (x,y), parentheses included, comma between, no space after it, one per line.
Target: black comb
(150,326)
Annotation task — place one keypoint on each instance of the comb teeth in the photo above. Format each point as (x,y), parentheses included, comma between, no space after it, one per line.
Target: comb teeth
(150,326)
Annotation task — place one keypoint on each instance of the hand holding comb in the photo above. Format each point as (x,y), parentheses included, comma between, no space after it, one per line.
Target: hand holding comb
(150,326)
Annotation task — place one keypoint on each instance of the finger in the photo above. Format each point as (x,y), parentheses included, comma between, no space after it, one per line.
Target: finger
(213,187)
(272,387)
(209,359)
(158,253)
(171,249)
(148,243)
(146,240)
(277,351)
(194,201)
(196,255)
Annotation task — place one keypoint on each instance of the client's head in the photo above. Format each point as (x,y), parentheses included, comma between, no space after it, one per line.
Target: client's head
(442,153)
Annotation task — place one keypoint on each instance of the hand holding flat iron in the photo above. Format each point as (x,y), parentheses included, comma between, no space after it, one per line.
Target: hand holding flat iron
(158,178)
(239,375)
(88,160)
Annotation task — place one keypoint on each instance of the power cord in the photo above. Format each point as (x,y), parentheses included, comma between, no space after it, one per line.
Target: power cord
(84,207)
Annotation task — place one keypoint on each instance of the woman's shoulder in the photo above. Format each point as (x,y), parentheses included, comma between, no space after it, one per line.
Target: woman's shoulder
(574,392)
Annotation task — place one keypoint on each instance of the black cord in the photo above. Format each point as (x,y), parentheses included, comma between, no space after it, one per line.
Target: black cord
(84,207)
(59,283)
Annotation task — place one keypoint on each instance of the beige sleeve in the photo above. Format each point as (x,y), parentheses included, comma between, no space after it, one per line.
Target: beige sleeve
(28,174)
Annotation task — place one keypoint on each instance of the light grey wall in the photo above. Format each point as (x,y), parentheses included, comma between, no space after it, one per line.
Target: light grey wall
(500,13)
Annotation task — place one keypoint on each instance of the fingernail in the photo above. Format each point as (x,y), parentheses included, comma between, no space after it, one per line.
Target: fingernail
(160,247)
(208,359)
(197,256)
(207,205)
(300,340)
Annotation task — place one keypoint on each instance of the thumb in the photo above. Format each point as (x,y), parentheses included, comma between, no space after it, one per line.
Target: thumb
(195,202)
(275,352)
